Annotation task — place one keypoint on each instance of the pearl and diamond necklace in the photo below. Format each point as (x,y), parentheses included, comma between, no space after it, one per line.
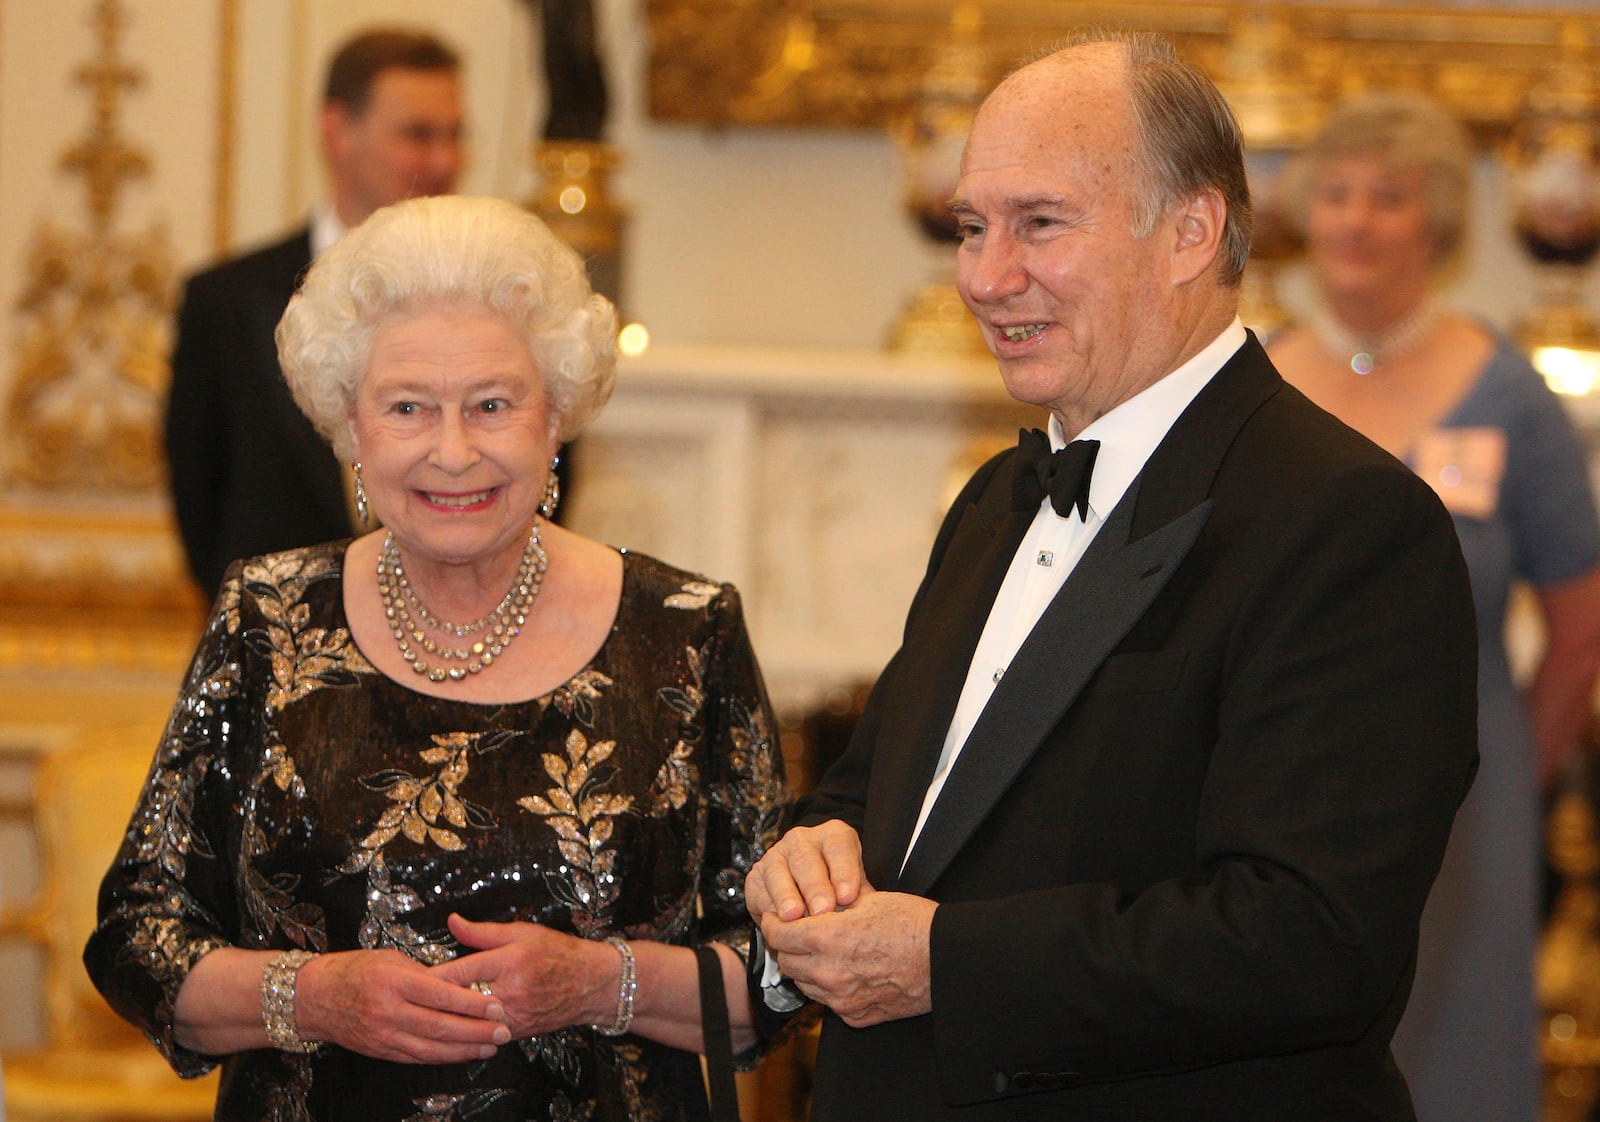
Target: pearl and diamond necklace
(495,629)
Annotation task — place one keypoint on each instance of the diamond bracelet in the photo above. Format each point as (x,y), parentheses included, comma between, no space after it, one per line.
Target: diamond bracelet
(277,1001)
(625,992)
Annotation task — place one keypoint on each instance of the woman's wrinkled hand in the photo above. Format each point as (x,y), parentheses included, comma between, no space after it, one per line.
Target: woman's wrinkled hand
(390,1007)
(543,979)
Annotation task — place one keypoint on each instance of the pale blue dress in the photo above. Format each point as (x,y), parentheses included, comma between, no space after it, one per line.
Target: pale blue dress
(1468,1042)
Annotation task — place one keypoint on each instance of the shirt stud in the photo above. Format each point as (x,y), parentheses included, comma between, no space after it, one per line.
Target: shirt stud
(1045,558)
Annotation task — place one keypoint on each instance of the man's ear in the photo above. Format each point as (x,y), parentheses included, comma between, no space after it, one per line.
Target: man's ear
(1197,235)
(333,125)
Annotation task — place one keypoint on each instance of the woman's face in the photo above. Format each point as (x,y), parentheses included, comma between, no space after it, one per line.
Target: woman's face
(1369,230)
(453,434)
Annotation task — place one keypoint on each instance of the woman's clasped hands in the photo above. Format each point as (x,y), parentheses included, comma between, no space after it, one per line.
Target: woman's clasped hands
(541,980)
(524,980)
(382,1004)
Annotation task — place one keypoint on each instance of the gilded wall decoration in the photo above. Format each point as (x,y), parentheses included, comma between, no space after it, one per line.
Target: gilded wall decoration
(90,575)
(843,63)
(84,408)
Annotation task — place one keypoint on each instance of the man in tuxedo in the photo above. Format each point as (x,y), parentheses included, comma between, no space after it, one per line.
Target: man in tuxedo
(1139,821)
(248,472)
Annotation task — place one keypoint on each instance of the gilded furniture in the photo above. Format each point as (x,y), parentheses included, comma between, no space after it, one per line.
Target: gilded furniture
(93,1065)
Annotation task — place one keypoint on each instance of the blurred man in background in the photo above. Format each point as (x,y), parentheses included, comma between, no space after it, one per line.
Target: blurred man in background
(249,475)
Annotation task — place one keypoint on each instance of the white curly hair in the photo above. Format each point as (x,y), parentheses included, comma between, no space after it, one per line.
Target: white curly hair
(447,251)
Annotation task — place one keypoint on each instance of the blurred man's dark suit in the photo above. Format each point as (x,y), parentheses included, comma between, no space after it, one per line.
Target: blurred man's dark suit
(250,474)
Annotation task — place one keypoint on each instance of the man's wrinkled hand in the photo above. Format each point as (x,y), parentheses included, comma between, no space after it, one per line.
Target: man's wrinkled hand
(868,962)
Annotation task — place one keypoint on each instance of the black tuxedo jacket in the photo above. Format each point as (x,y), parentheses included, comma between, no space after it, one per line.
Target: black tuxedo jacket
(249,474)
(1181,859)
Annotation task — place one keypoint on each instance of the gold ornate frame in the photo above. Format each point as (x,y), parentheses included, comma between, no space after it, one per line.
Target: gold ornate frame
(858,64)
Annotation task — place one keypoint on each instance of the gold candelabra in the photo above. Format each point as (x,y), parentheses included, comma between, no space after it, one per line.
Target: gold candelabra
(1554,155)
(930,138)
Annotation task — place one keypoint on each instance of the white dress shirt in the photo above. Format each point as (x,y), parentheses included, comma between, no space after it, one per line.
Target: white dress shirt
(1053,545)
(325,228)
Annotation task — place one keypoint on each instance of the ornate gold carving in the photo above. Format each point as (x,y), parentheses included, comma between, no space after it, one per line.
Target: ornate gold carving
(90,576)
(85,399)
(845,63)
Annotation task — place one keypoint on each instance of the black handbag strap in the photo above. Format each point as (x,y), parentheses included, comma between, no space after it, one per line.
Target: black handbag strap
(723,1091)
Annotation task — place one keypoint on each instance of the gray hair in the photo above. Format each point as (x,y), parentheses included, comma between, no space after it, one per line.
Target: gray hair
(1404,131)
(1189,140)
(447,251)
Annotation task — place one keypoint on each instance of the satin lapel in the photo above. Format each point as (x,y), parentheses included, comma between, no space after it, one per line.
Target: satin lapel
(1180,472)
(931,670)
(1106,594)
(1131,560)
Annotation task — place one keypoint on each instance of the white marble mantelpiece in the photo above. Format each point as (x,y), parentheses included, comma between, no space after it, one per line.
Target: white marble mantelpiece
(815,480)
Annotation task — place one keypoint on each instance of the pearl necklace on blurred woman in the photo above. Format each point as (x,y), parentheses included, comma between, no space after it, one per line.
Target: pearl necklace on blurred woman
(1365,353)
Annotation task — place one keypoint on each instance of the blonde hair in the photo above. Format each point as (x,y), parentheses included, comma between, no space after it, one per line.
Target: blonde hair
(1403,131)
(451,251)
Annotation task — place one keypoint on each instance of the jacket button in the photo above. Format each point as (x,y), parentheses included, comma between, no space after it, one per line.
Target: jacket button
(1002,1084)
(1023,1080)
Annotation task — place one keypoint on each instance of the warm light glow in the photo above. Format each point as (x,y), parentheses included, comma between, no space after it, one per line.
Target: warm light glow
(1568,370)
(633,339)
(1563,1026)
(573,199)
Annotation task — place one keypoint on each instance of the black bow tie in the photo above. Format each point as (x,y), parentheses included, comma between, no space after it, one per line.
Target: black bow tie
(1063,475)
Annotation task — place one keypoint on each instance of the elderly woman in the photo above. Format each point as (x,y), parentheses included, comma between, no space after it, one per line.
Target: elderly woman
(442,812)
(1381,196)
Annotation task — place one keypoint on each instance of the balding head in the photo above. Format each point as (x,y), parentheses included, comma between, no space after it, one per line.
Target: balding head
(1184,136)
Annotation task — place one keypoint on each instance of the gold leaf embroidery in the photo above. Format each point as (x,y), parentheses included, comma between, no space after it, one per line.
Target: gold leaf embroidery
(455,811)
(536,805)
(576,698)
(446,839)
(581,815)
(415,828)
(418,803)
(695,594)
(431,803)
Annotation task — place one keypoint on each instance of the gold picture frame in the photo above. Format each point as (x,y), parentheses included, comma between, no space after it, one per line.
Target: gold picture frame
(858,63)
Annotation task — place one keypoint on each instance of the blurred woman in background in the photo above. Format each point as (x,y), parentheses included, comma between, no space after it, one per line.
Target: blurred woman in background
(1381,197)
